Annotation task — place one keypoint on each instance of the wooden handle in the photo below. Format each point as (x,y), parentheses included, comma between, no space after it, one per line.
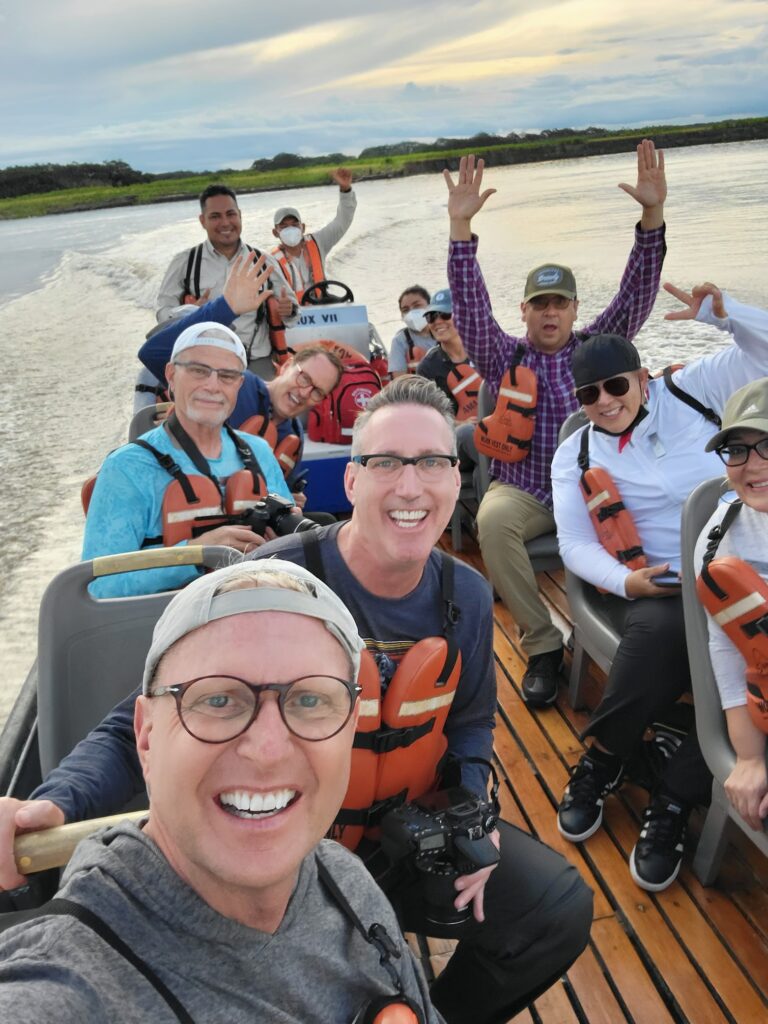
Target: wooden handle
(52,847)
(151,558)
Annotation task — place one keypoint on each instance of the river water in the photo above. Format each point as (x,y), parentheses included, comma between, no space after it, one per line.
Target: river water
(77,293)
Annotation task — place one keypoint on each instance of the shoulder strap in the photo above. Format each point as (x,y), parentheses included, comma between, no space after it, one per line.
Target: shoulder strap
(172,468)
(313,555)
(249,460)
(188,446)
(451,616)
(583,457)
(716,535)
(694,403)
(377,935)
(85,916)
(195,259)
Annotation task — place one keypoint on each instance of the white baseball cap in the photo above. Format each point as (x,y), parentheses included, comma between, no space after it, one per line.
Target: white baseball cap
(213,334)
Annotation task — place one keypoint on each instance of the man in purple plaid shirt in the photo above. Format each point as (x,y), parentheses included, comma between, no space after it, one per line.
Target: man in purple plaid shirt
(518,504)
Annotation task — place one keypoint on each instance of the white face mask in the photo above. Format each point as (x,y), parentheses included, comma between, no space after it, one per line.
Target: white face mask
(291,236)
(415,320)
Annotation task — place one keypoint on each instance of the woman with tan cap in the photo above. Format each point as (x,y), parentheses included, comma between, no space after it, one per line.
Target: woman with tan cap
(742,526)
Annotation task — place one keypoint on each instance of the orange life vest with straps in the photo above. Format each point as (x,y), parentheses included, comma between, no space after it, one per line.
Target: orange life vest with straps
(400,740)
(464,384)
(736,596)
(312,249)
(612,521)
(415,352)
(287,449)
(506,434)
(193,504)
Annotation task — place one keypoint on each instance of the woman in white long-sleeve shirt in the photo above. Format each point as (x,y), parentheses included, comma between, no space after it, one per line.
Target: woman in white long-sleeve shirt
(742,444)
(652,442)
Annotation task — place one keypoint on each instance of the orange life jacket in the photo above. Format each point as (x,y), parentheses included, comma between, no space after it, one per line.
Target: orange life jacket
(464,384)
(317,271)
(400,741)
(612,521)
(736,597)
(286,450)
(415,352)
(281,353)
(193,504)
(506,434)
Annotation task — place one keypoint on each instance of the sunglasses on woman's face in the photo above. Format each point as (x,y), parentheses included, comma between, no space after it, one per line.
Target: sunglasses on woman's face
(435,315)
(614,386)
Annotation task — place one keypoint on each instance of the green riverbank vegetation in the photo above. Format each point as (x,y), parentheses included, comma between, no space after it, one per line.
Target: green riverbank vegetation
(48,188)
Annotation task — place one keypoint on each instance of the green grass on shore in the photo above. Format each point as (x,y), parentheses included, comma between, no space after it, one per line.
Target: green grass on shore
(167,190)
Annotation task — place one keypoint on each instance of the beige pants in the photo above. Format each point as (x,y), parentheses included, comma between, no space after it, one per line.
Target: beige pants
(506,519)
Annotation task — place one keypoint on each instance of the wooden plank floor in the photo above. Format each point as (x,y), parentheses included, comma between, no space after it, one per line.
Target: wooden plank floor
(689,954)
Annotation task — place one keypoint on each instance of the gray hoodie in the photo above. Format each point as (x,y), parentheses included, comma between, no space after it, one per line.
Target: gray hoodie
(315,967)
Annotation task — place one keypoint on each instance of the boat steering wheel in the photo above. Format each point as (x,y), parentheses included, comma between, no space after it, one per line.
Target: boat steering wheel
(320,294)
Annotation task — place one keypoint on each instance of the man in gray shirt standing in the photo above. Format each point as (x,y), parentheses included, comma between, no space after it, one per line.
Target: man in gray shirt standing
(227,903)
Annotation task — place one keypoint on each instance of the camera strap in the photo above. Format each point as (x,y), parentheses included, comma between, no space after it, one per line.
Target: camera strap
(199,461)
(378,937)
(494,794)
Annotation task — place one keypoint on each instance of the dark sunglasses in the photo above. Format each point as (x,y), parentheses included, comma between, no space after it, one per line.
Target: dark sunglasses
(434,315)
(614,386)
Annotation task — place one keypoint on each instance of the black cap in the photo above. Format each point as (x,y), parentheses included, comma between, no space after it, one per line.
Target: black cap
(603,356)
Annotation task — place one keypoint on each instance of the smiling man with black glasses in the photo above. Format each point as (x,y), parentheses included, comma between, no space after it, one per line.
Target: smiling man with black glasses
(653,437)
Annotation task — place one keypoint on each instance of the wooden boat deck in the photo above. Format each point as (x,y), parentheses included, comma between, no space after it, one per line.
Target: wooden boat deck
(690,954)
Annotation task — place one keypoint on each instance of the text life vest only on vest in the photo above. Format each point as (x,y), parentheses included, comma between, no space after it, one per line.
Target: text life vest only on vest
(286,450)
(194,504)
(612,521)
(316,269)
(507,433)
(736,596)
(464,383)
(400,742)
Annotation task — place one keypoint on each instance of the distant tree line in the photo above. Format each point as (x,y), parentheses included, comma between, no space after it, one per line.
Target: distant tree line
(36,178)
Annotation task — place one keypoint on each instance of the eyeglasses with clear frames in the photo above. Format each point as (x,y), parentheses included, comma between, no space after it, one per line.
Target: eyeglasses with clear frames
(737,453)
(428,467)
(201,371)
(216,709)
(305,381)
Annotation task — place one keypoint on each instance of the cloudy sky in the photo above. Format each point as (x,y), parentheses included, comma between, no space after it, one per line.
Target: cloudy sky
(170,84)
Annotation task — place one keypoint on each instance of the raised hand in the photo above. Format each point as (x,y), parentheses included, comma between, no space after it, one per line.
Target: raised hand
(694,299)
(343,178)
(244,290)
(464,195)
(651,187)
(284,303)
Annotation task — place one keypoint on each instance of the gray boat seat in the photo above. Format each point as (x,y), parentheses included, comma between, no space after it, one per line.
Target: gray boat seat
(710,719)
(147,418)
(596,617)
(91,652)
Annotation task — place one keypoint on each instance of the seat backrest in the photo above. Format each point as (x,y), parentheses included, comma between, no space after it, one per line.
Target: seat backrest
(91,652)
(710,719)
(148,418)
(571,424)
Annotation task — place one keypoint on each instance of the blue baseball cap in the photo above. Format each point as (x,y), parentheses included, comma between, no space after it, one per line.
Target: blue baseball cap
(441,302)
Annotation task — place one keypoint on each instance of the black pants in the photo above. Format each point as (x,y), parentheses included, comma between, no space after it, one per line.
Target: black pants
(538,913)
(649,673)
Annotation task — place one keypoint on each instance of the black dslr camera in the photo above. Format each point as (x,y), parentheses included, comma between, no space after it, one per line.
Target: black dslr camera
(442,835)
(278,513)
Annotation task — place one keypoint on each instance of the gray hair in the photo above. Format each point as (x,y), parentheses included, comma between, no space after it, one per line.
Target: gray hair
(409,389)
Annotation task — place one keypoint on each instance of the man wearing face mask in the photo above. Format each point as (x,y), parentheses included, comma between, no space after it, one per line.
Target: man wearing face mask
(412,342)
(302,256)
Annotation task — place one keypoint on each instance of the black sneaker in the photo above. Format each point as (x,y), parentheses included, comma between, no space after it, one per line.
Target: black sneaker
(580,813)
(540,679)
(658,853)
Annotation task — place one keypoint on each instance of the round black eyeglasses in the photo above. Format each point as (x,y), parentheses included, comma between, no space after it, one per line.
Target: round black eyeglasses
(215,709)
